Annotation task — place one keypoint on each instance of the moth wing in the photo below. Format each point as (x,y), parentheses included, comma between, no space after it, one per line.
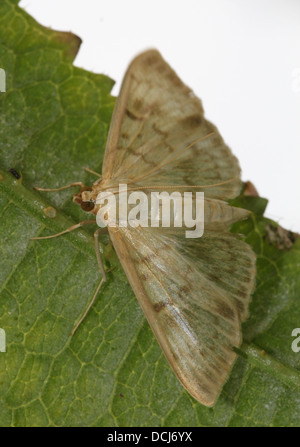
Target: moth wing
(192,292)
(158,130)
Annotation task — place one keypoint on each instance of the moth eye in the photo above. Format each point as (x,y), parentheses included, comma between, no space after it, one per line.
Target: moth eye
(87,206)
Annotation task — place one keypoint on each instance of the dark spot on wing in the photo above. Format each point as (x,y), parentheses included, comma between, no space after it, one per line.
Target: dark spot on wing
(144,157)
(225,311)
(175,356)
(152,59)
(138,104)
(143,277)
(147,258)
(172,76)
(184,290)
(159,131)
(213,277)
(241,307)
(132,116)
(192,121)
(205,389)
(159,306)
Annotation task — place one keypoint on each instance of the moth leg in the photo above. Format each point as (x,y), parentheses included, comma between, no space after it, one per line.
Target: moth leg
(71,185)
(98,255)
(88,308)
(73,227)
(103,279)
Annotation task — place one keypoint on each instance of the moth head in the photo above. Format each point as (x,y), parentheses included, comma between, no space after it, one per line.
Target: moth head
(85,198)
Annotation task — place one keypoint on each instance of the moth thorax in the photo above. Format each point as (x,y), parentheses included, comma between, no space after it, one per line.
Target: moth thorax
(87,196)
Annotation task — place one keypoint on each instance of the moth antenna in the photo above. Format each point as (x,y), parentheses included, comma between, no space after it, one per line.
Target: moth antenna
(68,230)
(61,188)
(93,172)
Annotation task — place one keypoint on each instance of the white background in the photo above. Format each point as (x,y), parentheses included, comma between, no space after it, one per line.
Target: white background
(242,58)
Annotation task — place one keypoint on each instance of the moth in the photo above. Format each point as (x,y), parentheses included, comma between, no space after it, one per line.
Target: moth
(194,292)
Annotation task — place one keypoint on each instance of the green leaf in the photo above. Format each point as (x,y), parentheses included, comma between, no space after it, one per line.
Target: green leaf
(54,120)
